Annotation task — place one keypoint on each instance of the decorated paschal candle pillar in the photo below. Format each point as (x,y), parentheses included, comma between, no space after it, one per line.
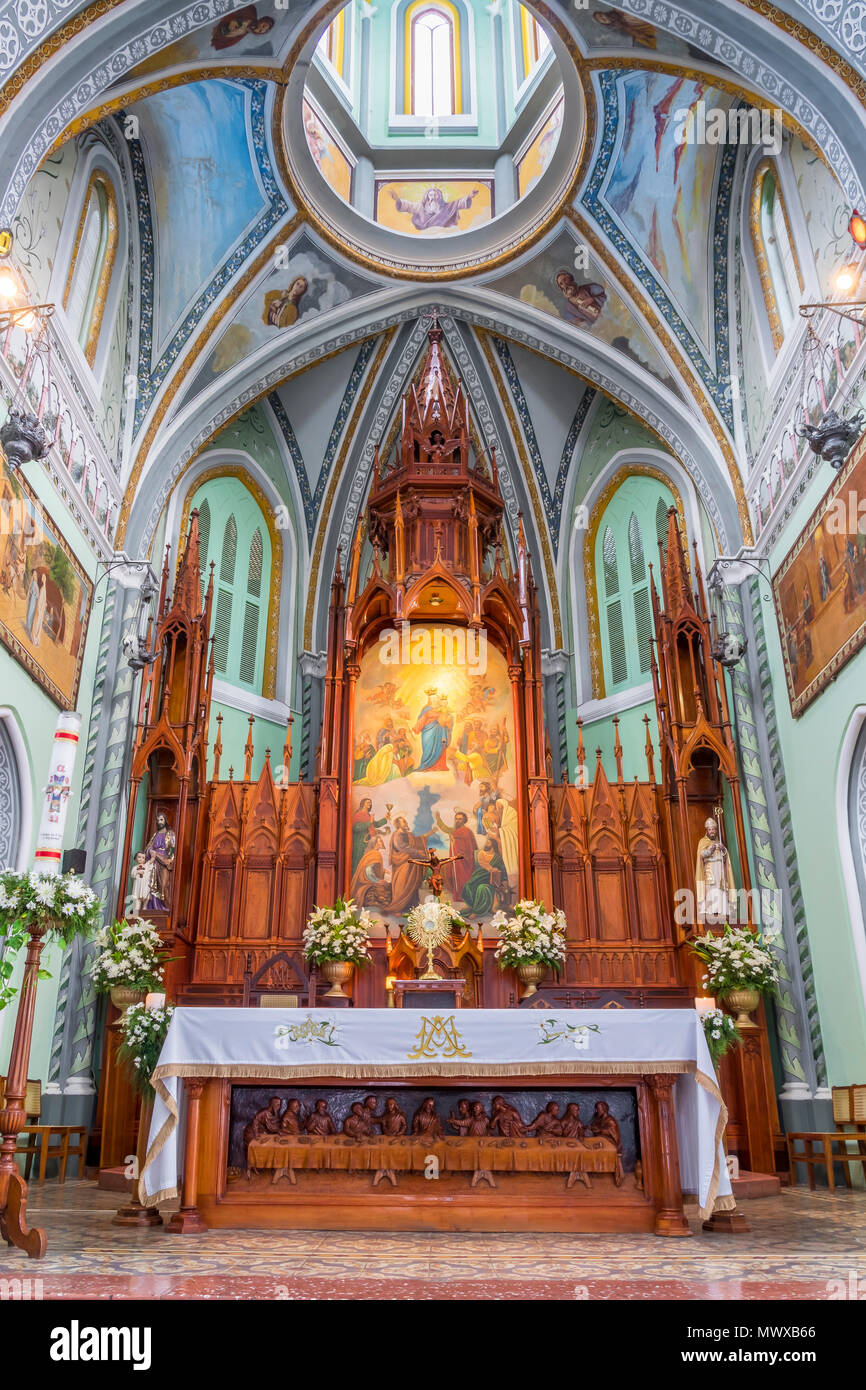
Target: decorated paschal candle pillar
(49,846)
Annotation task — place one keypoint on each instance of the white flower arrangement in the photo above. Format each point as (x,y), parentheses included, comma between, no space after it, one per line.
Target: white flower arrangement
(130,957)
(341,932)
(721,1033)
(61,904)
(143,1034)
(738,959)
(532,936)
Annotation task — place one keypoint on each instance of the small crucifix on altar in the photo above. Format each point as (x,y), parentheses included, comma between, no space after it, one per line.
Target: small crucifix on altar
(434,866)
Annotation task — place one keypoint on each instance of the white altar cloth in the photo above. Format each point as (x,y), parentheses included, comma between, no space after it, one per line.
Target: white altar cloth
(291,1044)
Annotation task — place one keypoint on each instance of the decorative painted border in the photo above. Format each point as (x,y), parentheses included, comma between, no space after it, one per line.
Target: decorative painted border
(312,501)
(716,382)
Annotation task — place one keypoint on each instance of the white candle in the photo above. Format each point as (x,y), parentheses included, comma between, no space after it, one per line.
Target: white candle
(704,1003)
(49,846)
(155,1001)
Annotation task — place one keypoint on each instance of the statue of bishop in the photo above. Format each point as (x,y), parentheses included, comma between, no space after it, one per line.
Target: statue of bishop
(714,877)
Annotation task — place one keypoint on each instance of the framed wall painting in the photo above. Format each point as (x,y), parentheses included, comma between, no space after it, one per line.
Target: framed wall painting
(820,589)
(45,595)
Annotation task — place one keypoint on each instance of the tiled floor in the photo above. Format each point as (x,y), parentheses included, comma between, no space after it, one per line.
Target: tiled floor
(799,1243)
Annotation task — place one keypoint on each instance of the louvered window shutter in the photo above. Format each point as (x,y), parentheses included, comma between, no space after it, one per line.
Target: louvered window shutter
(229,552)
(635,551)
(643,627)
(616,642)
(222,630)
(203,540)
(254,582)
(608,555)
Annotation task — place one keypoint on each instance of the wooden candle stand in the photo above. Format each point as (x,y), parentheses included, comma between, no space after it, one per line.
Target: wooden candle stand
(13,1188)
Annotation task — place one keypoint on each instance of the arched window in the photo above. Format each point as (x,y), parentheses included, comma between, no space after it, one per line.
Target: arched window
(433,88)
(775,253)
(10,802)
(533,42)
(626,541)
(333,46)
(233,534)
(90,269)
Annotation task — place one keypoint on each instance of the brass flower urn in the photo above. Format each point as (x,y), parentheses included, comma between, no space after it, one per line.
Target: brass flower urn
(339,973)
(122,996)
(530,973)
(746,1001)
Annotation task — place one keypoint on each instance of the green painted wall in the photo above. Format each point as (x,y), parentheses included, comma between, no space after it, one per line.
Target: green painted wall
(811,747)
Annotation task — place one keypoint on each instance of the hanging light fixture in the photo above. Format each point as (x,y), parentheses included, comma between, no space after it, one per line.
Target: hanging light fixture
(857,228)
(22,435)
(135,646)
(729,648)
(835,434)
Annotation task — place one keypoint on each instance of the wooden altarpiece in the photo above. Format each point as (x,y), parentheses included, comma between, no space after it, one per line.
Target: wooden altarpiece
(254,855)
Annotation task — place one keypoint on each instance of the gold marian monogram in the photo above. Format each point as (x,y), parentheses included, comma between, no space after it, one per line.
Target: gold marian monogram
(438,1037)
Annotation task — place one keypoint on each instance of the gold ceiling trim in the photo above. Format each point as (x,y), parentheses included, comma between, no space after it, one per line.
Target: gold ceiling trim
(269,682)
(628,470)
(693,383)
(529,478)
(173,385)
(817,46)
(336,474)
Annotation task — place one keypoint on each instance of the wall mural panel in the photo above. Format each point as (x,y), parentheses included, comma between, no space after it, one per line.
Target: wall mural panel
(660,202)
(44,594)
(584,298)
(433,207)
(820,590)
(537,156)
(309,283)
(434,758)
(331,162)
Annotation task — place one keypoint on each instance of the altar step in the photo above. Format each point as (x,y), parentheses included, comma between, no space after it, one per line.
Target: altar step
(755,1185)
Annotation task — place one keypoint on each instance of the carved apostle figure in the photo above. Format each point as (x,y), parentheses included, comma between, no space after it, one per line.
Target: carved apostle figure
(604,1126)
(547,1122)
(571,1123)
(479,1121)
(357,1124)
(505,1119)
(462,1119)
(319,1123)
(392,1119)
(267,1121)
(291,1121)
(714,876)
(425,1120)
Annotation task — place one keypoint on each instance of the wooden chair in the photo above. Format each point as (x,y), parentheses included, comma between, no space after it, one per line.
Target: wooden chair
(34,1140)
(849,1112)
(824,1156)
(278,984)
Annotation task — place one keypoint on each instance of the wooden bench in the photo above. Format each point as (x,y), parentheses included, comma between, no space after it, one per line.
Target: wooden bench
(825,1156)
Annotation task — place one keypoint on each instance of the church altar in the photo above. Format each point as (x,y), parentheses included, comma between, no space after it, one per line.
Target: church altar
(248,1166)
